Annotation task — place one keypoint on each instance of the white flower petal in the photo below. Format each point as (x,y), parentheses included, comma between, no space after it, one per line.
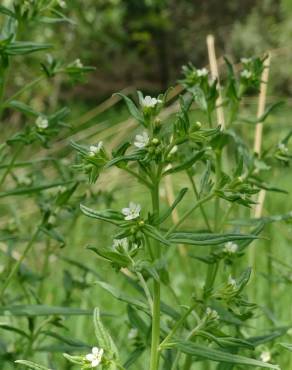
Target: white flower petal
(90,357)
(95,350)
(95,362)
(125,211)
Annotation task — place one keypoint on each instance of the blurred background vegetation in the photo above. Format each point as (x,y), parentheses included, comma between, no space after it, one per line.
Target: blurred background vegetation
(144,43)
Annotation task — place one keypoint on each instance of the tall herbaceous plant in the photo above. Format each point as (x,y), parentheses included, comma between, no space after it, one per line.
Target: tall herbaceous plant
(222,177)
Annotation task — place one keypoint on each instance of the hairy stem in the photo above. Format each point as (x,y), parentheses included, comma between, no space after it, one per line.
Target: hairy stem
(155,336)
(11,164)
(205,217)
(15,268)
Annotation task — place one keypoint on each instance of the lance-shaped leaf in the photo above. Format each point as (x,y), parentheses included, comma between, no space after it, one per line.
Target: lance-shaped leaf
(153,233)
(24,47)
(134,111)
(33,189)
(104,339)
(122,297)
(186,164)
(23,108)
(112,256)
(212,354)
(80,148)
(287,346)
(271,108)
(133,357)
(67,340)
(5,326)
(261,220)
(207,238)
(41,310)
(274,334)
(125,158)
(31,365)
(7,11)
(226,341)
(177,200)
(265,186)
(108,215)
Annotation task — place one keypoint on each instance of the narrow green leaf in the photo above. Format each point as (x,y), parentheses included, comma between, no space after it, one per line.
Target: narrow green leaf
(287,346)
(206,238)
(122,297)
(23,108)
(125,158)
(25,47)
(108,215)
(33,189)
(186,164)
(111,256)
(105,341)
(31,365)
(134,356)
(7,327)
(71,342)
(212,354)
(134,111)
(153,233)
(271,108)
(7,11)
(41,310)
(178,199)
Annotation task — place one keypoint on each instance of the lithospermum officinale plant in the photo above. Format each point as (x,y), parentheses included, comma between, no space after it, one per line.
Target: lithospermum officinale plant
(210,326)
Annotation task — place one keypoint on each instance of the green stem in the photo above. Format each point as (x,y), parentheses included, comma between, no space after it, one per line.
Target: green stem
(205,217)
(10,165)
(138,177)
(177,325)
(146,290)
(155,335)
(209,115)
(25,88)
(218,177)
(188,213)
(15,268)
(213,268)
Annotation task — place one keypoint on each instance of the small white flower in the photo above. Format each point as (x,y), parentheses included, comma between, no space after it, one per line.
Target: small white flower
(95,149)
(62,3)
(132,212)
(232,282)
(212,314)
(121,243)
(245,74)
(42,123)
(52,220)
(266,356)
(141,140)
(282,147)
(245,60)
(230,247)
(173,150)
(149,102)
(202,72)
(95,356)
(133,333)
(24,180)
(78,63)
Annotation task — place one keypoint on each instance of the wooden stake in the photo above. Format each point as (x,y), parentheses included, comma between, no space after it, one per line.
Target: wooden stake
(258,209)
(215,74)
(261,105)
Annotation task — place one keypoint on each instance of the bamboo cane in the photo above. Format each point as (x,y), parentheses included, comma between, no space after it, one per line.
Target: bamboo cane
(215,75)
(258,209)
